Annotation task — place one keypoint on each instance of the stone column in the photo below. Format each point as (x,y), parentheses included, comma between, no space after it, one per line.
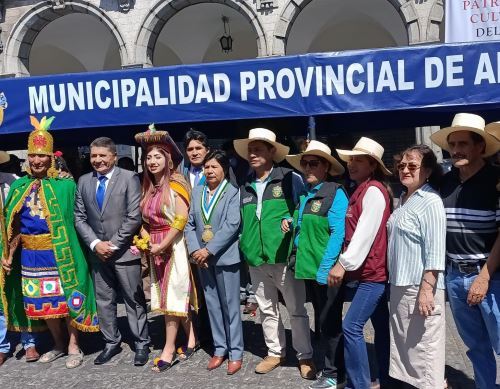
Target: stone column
(424,20)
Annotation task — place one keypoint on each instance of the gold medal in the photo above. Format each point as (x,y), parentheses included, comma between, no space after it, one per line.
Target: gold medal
(207,234)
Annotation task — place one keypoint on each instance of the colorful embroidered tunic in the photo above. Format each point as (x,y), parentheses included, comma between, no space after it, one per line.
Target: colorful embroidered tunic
(51,277)
(43,295)
(172,289)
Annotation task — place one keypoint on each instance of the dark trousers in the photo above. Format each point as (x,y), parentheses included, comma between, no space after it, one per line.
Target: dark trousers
(111,278)
(328,302)
(201,321)
(247,294)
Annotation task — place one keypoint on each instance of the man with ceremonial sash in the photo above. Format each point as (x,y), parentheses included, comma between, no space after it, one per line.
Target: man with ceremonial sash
(270,195)
(50,279)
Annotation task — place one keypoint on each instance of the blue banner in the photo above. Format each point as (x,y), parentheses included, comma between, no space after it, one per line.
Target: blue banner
(312,84)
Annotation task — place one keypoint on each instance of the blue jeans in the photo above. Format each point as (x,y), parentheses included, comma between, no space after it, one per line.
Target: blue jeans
(478,325)
(27,338)
(369,302)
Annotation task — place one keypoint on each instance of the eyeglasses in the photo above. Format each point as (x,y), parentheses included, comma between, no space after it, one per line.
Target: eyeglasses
(313,163)
(411,166)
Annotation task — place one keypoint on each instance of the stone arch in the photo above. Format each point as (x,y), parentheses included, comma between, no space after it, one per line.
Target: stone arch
(419,29)
(162,11)
(27,28)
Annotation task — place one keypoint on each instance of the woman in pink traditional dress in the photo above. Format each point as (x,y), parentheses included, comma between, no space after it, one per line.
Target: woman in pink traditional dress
(164,206)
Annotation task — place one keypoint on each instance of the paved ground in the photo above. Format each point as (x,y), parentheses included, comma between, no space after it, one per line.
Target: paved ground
(120,372)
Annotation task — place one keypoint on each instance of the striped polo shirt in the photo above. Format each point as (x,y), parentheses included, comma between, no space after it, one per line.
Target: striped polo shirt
(472,214)
(417,238)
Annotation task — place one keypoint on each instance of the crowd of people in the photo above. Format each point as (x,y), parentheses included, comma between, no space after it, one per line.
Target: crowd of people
(209,238)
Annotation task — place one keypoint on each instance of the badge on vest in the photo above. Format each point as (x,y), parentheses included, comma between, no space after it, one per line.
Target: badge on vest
(246,200)
(277,191)
(315,206)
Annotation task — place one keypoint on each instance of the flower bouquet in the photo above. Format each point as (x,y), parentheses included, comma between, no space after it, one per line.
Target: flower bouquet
(141,244)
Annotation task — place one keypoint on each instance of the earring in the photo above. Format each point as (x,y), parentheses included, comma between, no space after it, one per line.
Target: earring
(52,172)
(170,164)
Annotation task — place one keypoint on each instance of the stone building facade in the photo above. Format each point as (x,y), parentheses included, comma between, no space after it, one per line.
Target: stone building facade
(137,24)
(64,36)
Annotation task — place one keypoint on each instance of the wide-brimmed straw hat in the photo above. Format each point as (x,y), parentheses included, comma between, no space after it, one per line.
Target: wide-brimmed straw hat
(466,122)
(264,135)
(321,150)
(493,129)
(366,146)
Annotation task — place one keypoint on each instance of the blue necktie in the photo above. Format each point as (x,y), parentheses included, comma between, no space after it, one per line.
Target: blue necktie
(197,176)
(101,191)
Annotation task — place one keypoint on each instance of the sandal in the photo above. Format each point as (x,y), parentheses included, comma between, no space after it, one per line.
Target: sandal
(74,360)
(51,356)
(159,365)
(184,352)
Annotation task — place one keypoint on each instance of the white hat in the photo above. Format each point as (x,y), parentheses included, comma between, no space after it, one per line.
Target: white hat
(321,150)
(493,129)
(466,122)
(264,135)
(4,157)
(365,146)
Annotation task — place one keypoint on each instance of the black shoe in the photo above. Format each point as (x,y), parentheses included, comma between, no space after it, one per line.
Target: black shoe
(141,356)
(106,355)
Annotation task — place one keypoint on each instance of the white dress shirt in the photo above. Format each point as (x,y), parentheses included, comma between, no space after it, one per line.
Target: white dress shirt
(192,175)
(108,175)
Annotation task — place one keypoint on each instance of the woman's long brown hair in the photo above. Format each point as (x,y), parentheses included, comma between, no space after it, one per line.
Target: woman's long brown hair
(149,186)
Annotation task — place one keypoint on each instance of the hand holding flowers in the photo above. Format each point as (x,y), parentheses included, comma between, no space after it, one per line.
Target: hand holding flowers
(141,244)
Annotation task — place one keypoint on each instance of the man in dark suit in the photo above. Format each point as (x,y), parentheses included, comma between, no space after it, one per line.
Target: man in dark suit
(107,216)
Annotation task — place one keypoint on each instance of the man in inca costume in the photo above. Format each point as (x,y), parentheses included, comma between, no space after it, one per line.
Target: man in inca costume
(47,279)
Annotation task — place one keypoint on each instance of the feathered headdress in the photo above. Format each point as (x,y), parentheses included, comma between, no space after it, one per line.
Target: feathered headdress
(40,141)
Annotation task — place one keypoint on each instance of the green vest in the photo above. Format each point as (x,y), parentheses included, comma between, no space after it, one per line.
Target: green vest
(262,241)
(314,231)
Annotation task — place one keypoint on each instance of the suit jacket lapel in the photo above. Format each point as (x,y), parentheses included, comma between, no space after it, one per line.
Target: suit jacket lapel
(93,190)
(110,187)
(216,218)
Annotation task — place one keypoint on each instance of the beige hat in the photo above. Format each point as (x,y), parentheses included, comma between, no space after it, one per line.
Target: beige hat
(265,135)
(4,157)
(321,150)
(366,146)
(466,122)
(493,129)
